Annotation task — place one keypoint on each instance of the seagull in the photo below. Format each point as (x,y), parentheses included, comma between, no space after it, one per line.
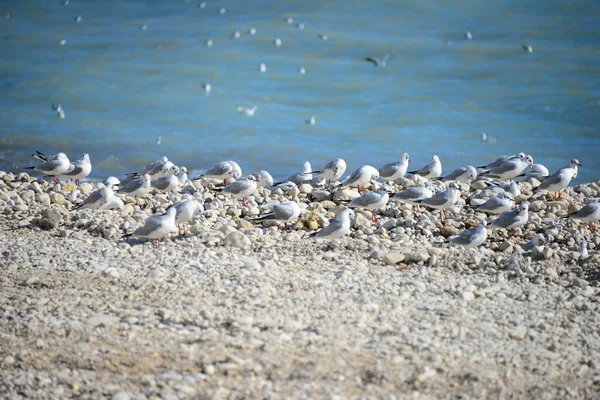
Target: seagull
(112,202)
(137,187)
(154,167)
(222,170)
(242,188)
(536,171)
(509,187)
(431,170)
(156,227)
(301,177)
(79,169)
(379,62)
(182,176)
(512,219)
(560,179)
(333,170)
(414,194)
(589,213)
(536,240)
(54,165)
(509,169)
(338,227)
(362,177)
(463,175)
(501,160)
(264,178)
(497,205)
(96,199)
(472,237)
(371,201)
(167,183)
(443,200)
(247,111)
(286,211)
(112,182)
(207,88)
(185,210)
(527,48)
(393,171)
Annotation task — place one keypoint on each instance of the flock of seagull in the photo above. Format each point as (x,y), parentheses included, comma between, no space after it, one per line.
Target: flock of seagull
(164,176)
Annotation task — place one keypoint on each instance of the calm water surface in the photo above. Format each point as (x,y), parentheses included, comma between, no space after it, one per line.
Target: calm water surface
(122,86)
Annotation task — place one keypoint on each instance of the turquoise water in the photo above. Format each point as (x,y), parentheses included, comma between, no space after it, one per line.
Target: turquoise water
(122,86)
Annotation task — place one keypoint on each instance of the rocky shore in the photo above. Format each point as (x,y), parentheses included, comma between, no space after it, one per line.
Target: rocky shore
(236,309)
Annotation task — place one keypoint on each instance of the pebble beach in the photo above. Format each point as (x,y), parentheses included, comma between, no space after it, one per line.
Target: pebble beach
(237,309)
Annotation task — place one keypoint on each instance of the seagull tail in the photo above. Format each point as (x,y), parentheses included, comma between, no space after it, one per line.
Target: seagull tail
(40,156)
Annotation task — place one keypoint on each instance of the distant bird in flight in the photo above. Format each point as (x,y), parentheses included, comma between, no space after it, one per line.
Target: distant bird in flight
(377,62)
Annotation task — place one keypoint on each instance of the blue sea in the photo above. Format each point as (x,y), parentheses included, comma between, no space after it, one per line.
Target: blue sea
(133,71)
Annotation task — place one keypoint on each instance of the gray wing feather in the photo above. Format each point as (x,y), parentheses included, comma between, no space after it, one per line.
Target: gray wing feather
(437,200)
(219,169)
(506,219)
(353,178)
(365,200)
(551,180)
(150,226)
(92,198)
(74,171)
(389,169)
(131,186)
(161,183)
(282,212)
(425,170)
(333,226)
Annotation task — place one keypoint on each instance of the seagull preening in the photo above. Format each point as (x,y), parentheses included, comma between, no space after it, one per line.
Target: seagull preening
(361,177)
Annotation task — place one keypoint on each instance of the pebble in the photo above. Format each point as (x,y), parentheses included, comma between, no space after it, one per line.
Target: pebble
(393,258)
(50,219)
(237,239)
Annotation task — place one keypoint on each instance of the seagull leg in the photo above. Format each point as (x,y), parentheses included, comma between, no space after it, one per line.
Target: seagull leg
(592,227)
(514,232)
(374,217)
(156,243)
(244,201)
(54,177)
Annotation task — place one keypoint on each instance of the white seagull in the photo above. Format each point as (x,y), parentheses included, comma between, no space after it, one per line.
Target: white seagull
(338,227)
(560,179)
(472,237)
(362,177)
(242,188)
(372,201)
(286,211)
(185,210)
(156,227)
(513,219)
(393,171)
(430,171)
(54,165)
(79,169)
(589,213)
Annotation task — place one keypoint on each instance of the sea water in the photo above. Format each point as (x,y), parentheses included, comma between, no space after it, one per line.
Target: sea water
(130,72)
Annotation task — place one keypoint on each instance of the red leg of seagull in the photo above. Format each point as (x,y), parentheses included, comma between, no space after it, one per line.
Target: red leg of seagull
(156,243)
(244,201)
(54,177)
(374,216)
(514,232)
(224,182)
(591,227)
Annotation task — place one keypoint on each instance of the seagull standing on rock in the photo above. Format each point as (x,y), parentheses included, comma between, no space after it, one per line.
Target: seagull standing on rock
(472,237)
(156,227)
(96,199)
(560,179)
(463,175)
(338,227)
(333,170)
(393,171)
(223,170)
(361,177)
(54,165)
(513,219)
(242,188)
(185,210)
(498,204)
(430,171)
(372,201)
(137,187)
(589,213)
(80,169)
(285,211)
(414,194)
(443,200)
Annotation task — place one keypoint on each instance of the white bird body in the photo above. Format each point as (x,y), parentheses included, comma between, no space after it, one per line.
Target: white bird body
(96,199)
(432,170)
(393,171)
(510,168)
(79,169)
(561,178)
(414,194)
(443,200)
(472,237)
(182,176)
(264,178)
(185,211)
(54,165)
(465,174)
(333,170)
(513,219)
(137,187)
(223,170)
(362,176)
(157,226)
(498,204)
(167,183)
(285,211)
(338,227)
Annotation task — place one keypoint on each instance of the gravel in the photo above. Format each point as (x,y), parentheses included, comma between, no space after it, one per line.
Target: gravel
(239,310)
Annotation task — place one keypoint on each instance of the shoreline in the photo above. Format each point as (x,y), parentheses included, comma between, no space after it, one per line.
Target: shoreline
(282,316)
